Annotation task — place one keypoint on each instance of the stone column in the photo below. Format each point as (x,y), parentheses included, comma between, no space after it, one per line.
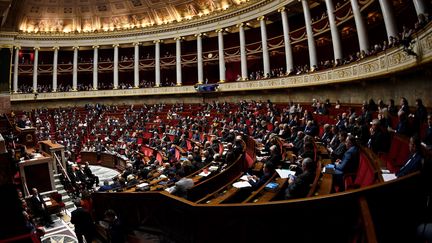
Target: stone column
(157,63)
(360,26)
(420,7)
(336,41)
(221,56)
(136,64)
(288,50)
(265,53)
(35,69)
(75,69)
(313,61)
(95,66)
(178,61)
(16,63)
(116,68)
(200,59)
(389,18)
(55,67)
(243,54)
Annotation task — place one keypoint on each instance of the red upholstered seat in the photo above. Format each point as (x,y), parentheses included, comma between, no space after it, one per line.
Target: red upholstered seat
(365,175)
(147,151)
(189,145)
(270,127)
(221,149)
(159,157)
(249,160)
(398,153)
(177,154)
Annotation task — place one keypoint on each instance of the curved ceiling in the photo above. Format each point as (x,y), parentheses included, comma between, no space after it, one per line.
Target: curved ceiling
(108,15)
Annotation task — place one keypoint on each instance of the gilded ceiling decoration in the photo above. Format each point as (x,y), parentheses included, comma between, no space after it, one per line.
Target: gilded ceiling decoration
(110,15)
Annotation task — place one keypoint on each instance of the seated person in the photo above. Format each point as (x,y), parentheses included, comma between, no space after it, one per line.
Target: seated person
(415,160)
(299,186)
(39,207)
(106,186)
(275,157)
(348,163)
(268,171)
(339,151)
(93,179)
(182,185)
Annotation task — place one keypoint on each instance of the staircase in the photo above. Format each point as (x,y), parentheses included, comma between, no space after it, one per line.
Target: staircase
(65,197)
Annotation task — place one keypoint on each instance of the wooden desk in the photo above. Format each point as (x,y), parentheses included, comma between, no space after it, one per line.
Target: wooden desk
(37,173)
(90,157)
(267,196)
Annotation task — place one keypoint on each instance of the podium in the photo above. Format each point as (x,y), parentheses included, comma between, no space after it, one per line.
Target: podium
(52,148)
(38,173)
(27,136)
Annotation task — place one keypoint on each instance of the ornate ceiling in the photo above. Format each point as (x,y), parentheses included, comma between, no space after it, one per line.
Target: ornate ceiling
(109,15)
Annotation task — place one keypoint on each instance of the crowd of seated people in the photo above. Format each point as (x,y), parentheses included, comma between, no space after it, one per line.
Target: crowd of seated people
(117,130)
(403,39)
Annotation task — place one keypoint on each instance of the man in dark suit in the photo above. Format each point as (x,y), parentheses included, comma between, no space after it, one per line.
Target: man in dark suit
(268,171)
(299,186)
(339,151)
(83,222)
(275,157)
(22,122)
(39,208)
(349,162)
(230,156)
(376,140)
(415,160)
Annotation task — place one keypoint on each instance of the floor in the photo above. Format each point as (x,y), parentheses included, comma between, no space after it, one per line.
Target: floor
(62,231)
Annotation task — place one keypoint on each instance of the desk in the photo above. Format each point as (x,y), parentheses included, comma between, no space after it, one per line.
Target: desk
(37,173)
(51,148)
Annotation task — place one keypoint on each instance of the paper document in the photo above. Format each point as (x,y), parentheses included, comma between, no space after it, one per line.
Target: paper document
(284,173)
(389,177)
(244,178)
(241,184)
(142,185)
(170,189)
(204,173)
(213,168)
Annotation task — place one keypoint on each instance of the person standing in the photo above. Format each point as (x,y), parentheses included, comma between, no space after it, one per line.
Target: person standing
(83,223)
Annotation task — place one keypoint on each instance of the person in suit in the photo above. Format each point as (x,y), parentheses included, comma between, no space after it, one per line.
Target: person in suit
(428,137)
(105,187)
(275,157)
(39,208)
(83,223)
(268,171)
(339,151)
(93,179)
(299,186)
(415,160)
(376,140)
(22,122)
(230,156)
(348,163)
